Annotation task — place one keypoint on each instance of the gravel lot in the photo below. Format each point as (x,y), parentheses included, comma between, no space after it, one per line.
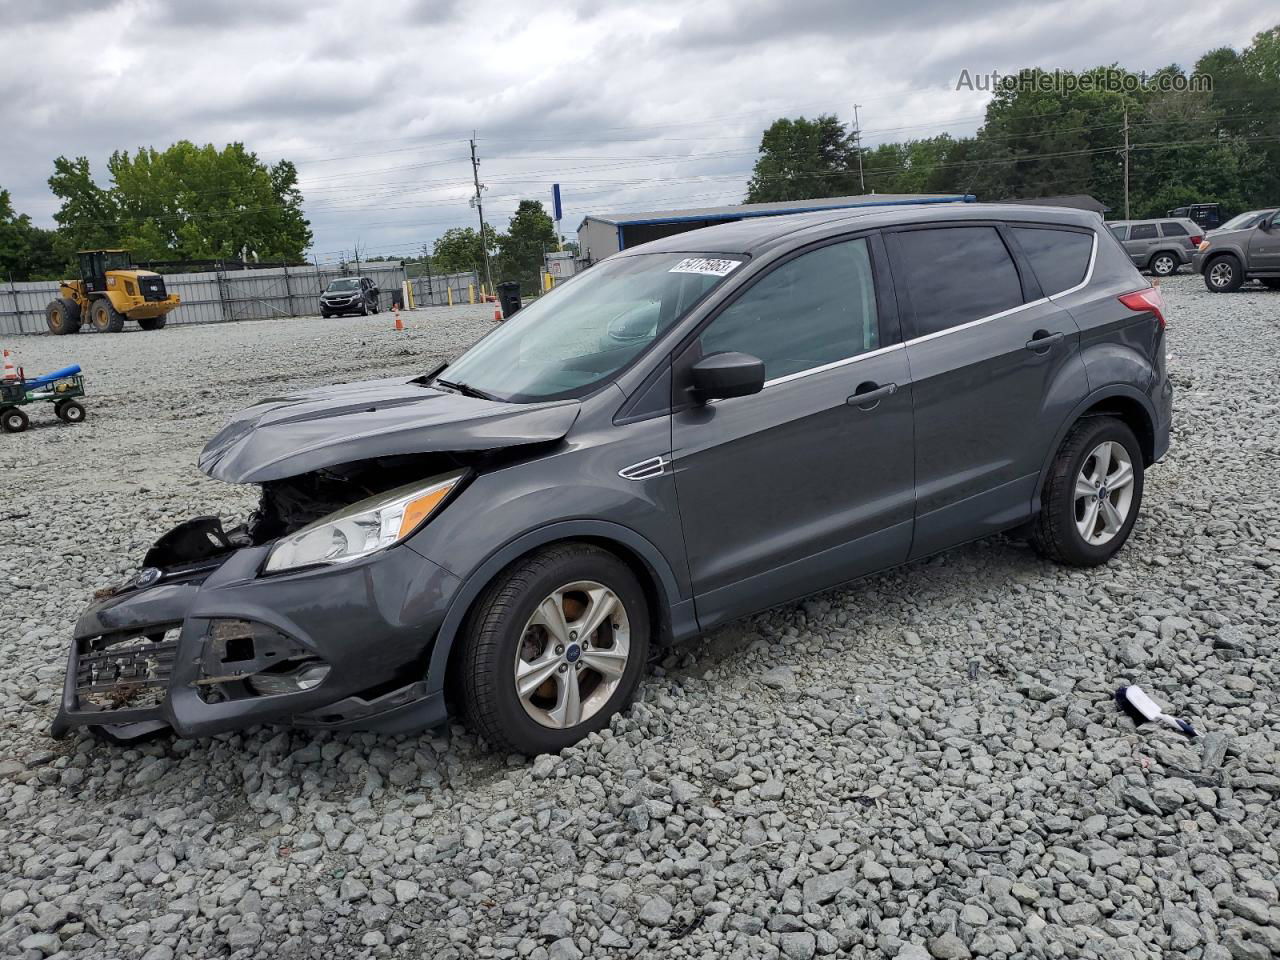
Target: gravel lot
(926,764)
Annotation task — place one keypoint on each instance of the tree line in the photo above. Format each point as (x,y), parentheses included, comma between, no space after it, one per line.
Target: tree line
(514,255)
(1186,145)
(186,202)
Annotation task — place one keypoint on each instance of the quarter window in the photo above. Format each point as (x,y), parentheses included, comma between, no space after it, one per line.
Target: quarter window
(1059,258)
(1119,232)
(1143,231)
(955,275)
(817,309)
(1173,230)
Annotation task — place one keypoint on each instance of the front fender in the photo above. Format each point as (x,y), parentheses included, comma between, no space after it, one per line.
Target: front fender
(683,621)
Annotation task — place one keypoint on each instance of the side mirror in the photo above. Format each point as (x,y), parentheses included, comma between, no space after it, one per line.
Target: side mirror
(1266,224)
(723,375)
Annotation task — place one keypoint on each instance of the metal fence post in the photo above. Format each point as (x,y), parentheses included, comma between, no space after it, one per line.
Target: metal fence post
(288,291)
(17,308)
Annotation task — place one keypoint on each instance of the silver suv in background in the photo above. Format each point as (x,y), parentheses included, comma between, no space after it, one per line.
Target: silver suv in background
(1246,247)
(1161,246)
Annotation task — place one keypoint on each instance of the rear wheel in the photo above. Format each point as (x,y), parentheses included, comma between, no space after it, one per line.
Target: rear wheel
(69,411)
(104,317)
(1093,494)
(13,420)
(1223,275)
(1164,264)
(152,323)
(555,647)
(63,316)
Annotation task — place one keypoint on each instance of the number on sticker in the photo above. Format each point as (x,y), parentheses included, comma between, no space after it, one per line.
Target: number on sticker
(705,265)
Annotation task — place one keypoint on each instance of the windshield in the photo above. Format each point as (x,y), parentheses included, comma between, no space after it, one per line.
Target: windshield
(1244,220)
(337,285)
(115,260)
(583,333)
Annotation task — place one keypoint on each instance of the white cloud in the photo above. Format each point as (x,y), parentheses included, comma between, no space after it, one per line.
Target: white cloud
(625,104)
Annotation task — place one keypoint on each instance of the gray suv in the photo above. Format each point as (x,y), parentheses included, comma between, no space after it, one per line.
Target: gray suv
(350,295)
(1246,247)
(1160,246)
(691,431)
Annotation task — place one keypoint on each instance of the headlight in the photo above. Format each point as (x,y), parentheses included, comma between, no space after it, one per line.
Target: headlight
(362,528)
(1204,245)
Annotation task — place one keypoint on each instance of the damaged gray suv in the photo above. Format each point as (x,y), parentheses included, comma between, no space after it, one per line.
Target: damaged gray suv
(691,431)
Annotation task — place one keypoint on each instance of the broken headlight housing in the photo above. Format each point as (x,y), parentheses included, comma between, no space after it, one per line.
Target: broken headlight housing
(362,528)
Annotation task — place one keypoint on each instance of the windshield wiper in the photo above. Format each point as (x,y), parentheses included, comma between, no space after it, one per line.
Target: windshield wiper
(466,390)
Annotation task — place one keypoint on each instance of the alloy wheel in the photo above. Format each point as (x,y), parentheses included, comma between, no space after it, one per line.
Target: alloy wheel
(1220,274)
(572,655)
(1104,493)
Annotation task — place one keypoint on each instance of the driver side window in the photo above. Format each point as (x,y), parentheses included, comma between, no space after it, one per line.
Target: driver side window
(817,309)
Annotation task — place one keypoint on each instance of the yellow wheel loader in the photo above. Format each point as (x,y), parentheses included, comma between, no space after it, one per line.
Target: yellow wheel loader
(109,292)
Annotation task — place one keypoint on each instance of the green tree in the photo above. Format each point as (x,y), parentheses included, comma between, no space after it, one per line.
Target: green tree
(186,202)
(530,233)
(800,159)
(26,251)
(459,249)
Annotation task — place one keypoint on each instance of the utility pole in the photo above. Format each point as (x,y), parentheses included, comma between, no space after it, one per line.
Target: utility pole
(857,136)
(1126,160)
(484,241)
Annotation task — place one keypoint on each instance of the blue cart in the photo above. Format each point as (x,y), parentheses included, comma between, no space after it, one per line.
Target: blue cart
(61,388)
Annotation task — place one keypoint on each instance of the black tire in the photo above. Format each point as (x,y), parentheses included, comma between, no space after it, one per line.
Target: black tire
(377,306)
(1271,283)
(152,323)
(13,420)
(364,308)
(1164,264)
(69,411)
(1054,533)
(325,314)
(1223,274)
(63,316)
(104,318)
(495,632)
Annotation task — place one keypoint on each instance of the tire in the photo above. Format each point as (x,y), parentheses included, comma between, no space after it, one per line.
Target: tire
(1066,506)
(69,411)
(1164,264)
(104,318)
(364,308)
(63,316)
(1223,275)
(500,632)
(325,314)
(13,420)
(377,307)
(152,323)
(1271,283)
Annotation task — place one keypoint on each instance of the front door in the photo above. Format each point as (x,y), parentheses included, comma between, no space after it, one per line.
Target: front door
(1264,247)
(995,369)
(803,485)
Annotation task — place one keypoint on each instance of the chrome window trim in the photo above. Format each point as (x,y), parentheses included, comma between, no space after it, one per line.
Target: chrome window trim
(833,365)
(1088,275)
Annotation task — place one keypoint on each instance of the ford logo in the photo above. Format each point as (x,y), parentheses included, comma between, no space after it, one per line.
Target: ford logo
(147,576)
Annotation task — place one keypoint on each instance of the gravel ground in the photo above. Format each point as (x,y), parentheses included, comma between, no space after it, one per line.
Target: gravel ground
(926,764)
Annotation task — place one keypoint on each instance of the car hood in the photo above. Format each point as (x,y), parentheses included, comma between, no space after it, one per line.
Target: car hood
(340,293)
(286,436)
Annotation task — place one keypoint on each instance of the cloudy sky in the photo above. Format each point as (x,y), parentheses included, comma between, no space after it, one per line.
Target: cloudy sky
(628,105)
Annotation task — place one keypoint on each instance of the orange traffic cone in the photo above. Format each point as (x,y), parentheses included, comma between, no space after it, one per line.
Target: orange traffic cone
(399,324)
(10,371)
(497,313)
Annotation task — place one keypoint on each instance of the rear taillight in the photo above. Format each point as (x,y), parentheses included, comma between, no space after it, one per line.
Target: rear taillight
(1146,300)
(1195,241)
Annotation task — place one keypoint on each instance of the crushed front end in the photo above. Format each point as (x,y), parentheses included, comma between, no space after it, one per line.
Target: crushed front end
(203,641)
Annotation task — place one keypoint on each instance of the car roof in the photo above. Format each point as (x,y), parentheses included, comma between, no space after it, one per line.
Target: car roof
(758,234)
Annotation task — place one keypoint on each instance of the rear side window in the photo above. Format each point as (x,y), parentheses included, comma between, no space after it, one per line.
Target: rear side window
(1143,231)
(1173,230)
(816,309)
(1119,232)
(955,275)
(1059,258)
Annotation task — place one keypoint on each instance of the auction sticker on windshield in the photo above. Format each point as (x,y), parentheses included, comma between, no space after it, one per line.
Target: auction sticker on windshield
(705,265)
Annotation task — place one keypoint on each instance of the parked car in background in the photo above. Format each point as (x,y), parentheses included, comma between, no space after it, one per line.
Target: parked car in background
(350,295)
(1161,246)
(1247,247)
(1207,215)
(693,430)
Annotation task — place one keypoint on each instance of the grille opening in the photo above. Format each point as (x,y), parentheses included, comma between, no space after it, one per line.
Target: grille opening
(126,671)
(238,649)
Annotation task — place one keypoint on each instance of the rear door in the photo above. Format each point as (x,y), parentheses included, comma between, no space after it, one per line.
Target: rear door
(1142,243)
(995,368)
(1177,235)
(809,482)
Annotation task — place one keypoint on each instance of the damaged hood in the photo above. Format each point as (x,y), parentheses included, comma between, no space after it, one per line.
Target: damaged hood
(287,436)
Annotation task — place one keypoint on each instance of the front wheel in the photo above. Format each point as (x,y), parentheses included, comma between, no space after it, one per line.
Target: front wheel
(152,323)
(555,647)
(1093,494)
(1164,264)
(13,420)
(1223,275)
(69,411)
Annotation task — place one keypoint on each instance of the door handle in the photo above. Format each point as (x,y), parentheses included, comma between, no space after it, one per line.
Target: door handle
(1042,340)
(868,395)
